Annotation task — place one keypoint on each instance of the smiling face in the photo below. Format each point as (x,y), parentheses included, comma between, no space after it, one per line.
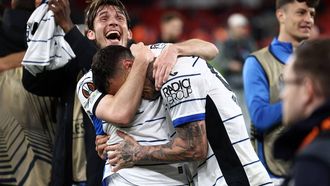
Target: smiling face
(296,21)
(110,27)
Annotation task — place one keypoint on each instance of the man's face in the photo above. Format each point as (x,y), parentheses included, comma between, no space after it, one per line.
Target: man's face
(297,20)
(293,96)
(173,30)
(110,27)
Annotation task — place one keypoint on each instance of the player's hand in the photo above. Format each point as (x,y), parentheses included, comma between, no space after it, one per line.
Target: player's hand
(61,9)
(142,53)
(123,154)
(164,65)
(101,145)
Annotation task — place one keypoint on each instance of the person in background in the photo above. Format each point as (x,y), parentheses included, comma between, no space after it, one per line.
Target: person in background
(236,49)
(262,73)
(306,113)
(27,136)
(71,121)
(171,28)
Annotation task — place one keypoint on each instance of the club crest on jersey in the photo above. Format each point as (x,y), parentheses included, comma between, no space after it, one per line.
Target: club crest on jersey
(87,89)
(177,91)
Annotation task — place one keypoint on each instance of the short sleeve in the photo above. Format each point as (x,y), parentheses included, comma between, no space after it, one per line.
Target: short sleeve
(184,94)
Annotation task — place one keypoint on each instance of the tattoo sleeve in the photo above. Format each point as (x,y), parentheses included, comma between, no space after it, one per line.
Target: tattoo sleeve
(189,144)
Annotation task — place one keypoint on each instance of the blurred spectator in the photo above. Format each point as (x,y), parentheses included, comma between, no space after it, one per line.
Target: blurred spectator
(74,160)
(306,112)
(13,26)
(171,28)
(144,33)
(235,49)
(262,76)
(27,135)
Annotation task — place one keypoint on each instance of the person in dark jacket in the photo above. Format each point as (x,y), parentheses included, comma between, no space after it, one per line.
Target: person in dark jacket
(306,112)
(61,83)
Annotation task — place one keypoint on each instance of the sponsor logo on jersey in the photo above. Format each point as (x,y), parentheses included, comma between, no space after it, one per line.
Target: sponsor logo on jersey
(158,46)
(177,91)
(87,89)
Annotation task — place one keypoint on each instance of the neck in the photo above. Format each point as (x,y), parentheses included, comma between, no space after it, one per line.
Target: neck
(283,37)
(317,102)
(149,91)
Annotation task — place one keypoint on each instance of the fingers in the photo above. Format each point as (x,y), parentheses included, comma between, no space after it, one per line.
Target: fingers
(100,145)
(127,138)
(160,73)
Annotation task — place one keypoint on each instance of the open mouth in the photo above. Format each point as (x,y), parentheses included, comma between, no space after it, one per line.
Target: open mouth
(114,35)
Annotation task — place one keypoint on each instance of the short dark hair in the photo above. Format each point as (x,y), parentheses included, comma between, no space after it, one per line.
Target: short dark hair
(106,64)
(27,5)
(310,3)
(169,16)
(92,9)
(313,58)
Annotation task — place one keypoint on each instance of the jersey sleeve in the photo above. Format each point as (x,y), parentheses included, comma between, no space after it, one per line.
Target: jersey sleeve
(89,97)
(184,94)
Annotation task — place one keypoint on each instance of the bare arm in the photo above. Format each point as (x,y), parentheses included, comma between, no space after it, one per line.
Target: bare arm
(121,108)
(190,144)
(167,59)
(196,47)
(11,61)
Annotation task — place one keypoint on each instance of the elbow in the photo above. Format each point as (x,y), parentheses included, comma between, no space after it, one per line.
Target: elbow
(213,52)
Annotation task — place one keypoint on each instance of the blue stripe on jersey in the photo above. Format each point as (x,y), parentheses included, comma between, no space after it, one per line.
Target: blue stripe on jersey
(197,99)
(161,118)
(187,119)
(152,141)
(240,141)
(266,184)
(38,62)
(187,75)
(217,180)
(251,163)
(232,118)
(97,125)
(139,124)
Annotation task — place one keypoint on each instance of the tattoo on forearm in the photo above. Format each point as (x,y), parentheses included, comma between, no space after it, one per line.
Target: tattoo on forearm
(186,146)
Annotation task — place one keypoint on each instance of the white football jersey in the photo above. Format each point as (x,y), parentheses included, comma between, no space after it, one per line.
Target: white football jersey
(149,127)
(196,91)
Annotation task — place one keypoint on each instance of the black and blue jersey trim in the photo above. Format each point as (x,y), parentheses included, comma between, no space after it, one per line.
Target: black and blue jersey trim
(97,125)
(197,117)
(96,103)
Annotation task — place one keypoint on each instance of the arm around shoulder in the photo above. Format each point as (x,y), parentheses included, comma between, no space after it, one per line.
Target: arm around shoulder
(196,47)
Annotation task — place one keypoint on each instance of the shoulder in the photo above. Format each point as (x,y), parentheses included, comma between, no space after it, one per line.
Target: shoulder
(318,150)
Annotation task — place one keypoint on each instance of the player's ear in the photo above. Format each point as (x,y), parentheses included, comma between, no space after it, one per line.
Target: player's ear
(128,64)
(130,35)
(90,34)
(280,15)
